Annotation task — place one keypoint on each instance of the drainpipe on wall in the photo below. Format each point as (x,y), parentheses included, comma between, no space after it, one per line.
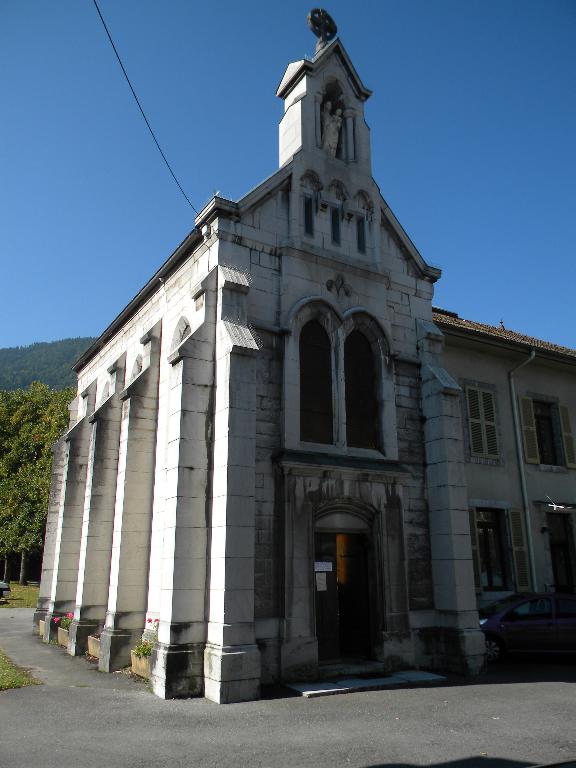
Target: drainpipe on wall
(520,455)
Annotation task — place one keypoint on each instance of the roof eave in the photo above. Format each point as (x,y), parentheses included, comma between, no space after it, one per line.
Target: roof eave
(500,341)
(176,258)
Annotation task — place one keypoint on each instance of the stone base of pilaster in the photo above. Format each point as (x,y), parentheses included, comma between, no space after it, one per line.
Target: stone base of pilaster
(231,673)
(451,649)
(39,615)
(177,671)
(78,636)
(299,659)
(395,650)
(115,647)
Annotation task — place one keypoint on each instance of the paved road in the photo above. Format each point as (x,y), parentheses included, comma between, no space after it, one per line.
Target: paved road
(522,714)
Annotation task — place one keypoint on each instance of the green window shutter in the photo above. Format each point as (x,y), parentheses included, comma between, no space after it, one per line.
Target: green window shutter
(482,422)
(489,413)
(519,550)
(531,452)
(475,421)
(475,552)
(567,437)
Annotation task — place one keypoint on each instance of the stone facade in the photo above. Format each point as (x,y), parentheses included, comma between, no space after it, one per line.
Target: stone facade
(191,491)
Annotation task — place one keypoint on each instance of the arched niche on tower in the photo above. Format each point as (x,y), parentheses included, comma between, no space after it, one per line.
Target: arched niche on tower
(335,122)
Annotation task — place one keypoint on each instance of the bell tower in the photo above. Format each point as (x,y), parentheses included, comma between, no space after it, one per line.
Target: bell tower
(324,103)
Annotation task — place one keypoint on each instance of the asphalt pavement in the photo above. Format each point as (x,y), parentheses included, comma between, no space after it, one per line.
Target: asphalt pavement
(522,713)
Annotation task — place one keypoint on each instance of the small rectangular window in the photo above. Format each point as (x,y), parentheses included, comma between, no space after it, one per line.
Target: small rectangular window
(335,225)
(361,234)
(308,215)
(544,425)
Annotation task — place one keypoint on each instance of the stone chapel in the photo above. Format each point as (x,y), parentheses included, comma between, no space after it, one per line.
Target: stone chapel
(265,451)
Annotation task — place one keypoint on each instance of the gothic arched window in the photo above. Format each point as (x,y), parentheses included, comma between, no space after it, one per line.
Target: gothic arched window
(315,385)
(361,399)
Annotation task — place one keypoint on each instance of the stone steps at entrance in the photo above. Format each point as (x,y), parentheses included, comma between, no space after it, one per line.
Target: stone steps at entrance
(352,668)
(325,687)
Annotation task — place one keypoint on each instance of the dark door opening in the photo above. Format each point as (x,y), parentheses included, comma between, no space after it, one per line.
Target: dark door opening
(342,604)
(560,533)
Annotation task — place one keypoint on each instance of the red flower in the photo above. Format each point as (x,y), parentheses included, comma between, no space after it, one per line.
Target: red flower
(56,619)
(69,615)
(149,621)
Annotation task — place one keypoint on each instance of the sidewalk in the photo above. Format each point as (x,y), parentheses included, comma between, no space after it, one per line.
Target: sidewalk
(48,663)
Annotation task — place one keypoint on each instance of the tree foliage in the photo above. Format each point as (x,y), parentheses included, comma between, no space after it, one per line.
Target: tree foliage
(30,423)
(48,362)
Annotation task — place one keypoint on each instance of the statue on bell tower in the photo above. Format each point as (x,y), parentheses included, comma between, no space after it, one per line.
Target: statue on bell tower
(331,125)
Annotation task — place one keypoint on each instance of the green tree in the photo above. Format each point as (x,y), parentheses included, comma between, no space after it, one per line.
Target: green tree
(30,422)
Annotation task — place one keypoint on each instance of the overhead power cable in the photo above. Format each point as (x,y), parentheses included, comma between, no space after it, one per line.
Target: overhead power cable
(141,110)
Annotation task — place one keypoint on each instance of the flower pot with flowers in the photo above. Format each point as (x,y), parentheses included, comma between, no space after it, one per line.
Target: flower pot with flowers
(141,654)
(63,624)
(94,645)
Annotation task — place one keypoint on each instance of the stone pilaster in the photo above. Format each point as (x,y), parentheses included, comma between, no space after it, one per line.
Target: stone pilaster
(128,589)
(70,513)
(57,479)
(232,659)
(98,519)
(299,645)
(349,118)
(456,644)
(177,659)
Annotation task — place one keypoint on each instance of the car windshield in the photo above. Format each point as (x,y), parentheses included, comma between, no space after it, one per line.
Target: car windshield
(500,605)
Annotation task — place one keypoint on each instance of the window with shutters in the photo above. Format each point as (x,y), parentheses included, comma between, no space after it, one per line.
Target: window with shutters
(547,433)
(482,426)
(519,550)
(499,550)
(490,532)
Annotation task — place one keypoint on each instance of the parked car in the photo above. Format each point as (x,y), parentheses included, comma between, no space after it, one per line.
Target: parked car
(4,588)
(529,623)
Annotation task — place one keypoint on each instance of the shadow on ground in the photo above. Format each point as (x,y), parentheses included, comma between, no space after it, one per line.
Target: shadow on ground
(477,762)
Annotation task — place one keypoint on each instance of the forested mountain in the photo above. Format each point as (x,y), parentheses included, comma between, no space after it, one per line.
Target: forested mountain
(48,362)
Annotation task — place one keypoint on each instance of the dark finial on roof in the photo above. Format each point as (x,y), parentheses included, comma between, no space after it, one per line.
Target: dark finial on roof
(323,26)
(502,325)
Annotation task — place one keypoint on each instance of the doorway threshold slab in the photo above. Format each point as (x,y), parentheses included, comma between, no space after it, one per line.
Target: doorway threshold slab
(358,684)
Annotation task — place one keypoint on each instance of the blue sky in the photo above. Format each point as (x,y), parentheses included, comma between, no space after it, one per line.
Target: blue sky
(473,122)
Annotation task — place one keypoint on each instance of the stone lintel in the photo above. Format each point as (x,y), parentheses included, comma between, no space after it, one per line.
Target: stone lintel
(320,462)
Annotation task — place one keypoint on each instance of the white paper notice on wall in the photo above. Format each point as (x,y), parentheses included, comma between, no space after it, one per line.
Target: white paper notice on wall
(323,566)
(321,585)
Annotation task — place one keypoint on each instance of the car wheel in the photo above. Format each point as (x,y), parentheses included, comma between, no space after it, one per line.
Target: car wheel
(494,649)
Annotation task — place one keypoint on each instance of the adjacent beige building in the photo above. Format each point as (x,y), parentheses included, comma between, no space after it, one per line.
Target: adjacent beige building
(519,418)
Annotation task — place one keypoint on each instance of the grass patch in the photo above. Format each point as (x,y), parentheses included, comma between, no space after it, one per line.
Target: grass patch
(20,597)
(12,676)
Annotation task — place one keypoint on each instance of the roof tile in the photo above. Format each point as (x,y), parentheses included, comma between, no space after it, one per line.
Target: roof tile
(451,320)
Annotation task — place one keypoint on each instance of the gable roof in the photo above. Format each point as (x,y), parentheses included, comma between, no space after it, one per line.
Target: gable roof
(451,322)
(297,69)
